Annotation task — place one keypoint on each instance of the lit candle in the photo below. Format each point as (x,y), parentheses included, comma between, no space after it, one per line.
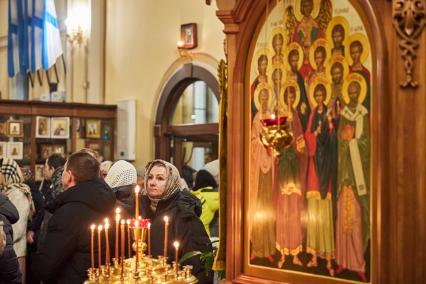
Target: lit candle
(176,244)
(122,247)
(107,256)
(137,189)
(166,229)
(99,247)
(128,237)
(149,238)
(137,244)
(92,246)
(117,221)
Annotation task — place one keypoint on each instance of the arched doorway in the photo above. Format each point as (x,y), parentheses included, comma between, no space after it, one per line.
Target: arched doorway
(186,128)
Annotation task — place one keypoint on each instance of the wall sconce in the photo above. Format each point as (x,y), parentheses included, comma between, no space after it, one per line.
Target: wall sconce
(183,52)
(78,25)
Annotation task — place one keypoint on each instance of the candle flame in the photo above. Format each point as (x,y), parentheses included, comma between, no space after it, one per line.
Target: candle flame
(166,219)
(106,221)
(136,223)
(149,225)
(117,210)
(100,228)
(128,221)
(137,189)
(273,116)
(122,222)
(176,244)
(117,217)
(92,227)
(106,226)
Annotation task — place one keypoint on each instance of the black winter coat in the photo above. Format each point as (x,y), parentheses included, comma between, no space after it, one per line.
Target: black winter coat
(9,267)
(183,210)
(125,196)
(63,256)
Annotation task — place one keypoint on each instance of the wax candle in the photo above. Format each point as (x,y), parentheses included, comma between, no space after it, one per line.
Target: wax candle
(92,246)
(107,256)
(117,221)
(166,229)
(128,237)
(122,247)
(136,225)
(99,246)
(149,238)
(176,245)
(137,189)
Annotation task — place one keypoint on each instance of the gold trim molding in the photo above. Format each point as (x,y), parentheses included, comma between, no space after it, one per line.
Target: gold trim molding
(409,19)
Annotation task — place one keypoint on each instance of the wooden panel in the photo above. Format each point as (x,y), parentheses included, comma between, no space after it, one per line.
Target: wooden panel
(190,129)
(399,147)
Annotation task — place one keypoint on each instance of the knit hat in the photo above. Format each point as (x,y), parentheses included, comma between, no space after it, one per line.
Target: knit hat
(213,168)
(121,173)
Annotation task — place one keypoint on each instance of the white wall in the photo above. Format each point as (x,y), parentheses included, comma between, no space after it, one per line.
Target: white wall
(141,54)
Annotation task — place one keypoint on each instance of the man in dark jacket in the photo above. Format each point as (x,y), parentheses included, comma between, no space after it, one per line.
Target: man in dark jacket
(9,267)
(64,255)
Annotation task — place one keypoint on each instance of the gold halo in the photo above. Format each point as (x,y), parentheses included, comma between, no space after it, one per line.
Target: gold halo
(290,47)
(361,80)
(287,84)
(365,47)
(298,13)
(319,42)
(319,80)
(258,53)
(256,95)
(275,31)
(337,58)
(336,21)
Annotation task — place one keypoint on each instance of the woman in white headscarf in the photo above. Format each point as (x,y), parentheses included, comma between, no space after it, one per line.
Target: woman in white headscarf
(13,186)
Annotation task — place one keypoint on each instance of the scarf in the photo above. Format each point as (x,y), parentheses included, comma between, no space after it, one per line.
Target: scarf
(173,183)
(13,179)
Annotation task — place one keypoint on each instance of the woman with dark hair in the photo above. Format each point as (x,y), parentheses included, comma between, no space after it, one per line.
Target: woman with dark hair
(165,197)
(205,189)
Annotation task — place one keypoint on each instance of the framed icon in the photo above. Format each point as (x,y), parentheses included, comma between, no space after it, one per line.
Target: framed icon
(15,128)
(42,127)
(38,175)
(93,128)
(60,127)
(3,149)
(15,150)
(188,35)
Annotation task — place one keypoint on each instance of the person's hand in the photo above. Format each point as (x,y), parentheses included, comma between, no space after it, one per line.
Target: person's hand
(30,237)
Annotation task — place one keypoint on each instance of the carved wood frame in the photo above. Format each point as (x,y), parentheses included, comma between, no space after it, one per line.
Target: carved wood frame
(240,27)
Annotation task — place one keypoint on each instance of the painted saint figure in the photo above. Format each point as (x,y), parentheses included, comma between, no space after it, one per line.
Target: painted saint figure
(352,228)
(277,44)
(320,136)
(303,108)
(262,183)
(356,52)
(292,176)
(262,77)
(338,36)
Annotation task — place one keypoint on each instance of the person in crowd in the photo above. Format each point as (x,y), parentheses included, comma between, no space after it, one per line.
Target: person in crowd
(52,171)
(63,256)
(166,198)
(141,176)
(188,174)
(34,225)
(105,167)
(51,186)
(205,189)
(122,178)
(9,266)
(19,193)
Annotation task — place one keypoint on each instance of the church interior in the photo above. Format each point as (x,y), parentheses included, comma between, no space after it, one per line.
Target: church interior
(291,126)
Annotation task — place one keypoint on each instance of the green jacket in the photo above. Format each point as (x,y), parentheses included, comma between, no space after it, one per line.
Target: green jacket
(210,203)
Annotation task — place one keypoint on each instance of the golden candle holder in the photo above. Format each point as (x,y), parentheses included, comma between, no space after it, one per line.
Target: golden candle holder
(276,134)
(140,268)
